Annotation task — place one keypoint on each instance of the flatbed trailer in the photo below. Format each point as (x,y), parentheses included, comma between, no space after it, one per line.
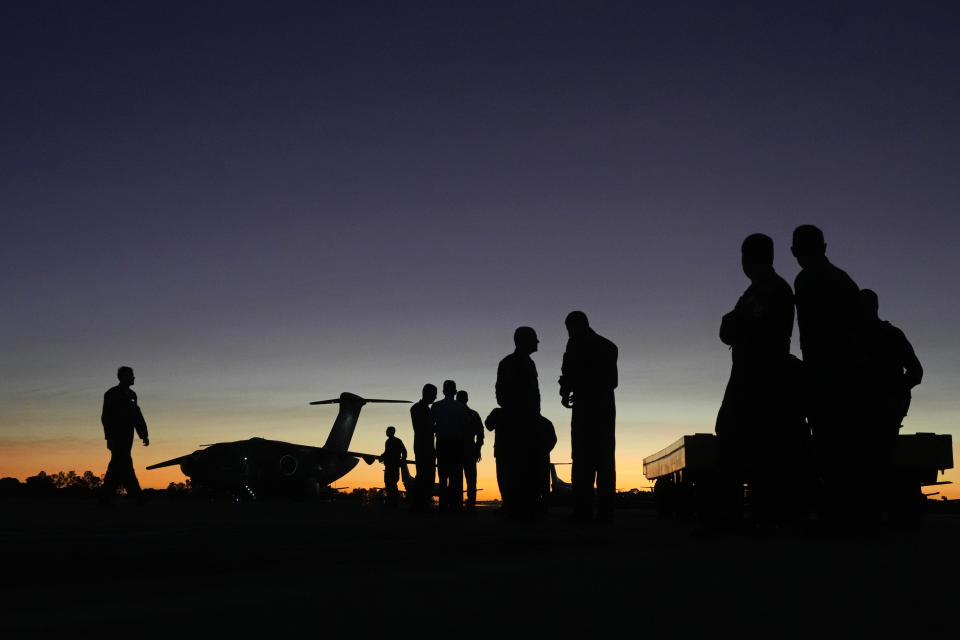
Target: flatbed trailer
(677,470)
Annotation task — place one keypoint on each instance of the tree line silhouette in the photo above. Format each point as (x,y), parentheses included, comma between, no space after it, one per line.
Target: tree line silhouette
(70,484)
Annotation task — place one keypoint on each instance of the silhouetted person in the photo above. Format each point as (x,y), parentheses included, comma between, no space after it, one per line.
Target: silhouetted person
(472,444)
(393,457)
(515,446)
(757,428)
(826,299)
(890,369)
(424,430)
(121,418)
(546,441)
(587,382)
(451,418)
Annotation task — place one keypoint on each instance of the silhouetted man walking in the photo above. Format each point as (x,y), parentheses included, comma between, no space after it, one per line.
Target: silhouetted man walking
(826,299)
(752,423)
(121,417)
(587,382)
(472,443)
(451,418)
(424,430)
(515,444)
(394,455)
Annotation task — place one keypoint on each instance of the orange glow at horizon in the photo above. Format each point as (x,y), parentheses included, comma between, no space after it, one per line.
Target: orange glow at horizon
(21,460)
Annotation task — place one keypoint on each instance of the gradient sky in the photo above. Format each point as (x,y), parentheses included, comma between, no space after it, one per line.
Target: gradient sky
(259,205)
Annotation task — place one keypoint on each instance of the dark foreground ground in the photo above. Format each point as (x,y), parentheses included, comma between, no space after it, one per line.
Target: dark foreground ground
(186,568)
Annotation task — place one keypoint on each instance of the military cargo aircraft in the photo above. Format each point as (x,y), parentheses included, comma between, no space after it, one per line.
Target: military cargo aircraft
(250,469)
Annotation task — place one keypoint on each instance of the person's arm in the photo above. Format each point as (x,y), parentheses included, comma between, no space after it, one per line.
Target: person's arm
(745,319)
(478,432)
(565,374)
(403,451)
(613,365)
(913,370)
(502,384)
(415,420)
(141,426)
(106,415)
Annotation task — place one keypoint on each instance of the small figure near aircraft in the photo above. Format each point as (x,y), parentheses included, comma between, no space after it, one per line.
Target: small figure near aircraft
(393,457)
(250,468)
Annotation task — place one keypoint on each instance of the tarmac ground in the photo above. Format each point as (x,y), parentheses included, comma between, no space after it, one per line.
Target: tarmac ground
(181,567)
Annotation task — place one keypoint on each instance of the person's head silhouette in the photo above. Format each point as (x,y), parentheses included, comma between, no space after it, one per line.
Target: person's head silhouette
(429,393)
(525,340)
(808,245)
(756,254)
(125,376)
(577,323)
(449,388)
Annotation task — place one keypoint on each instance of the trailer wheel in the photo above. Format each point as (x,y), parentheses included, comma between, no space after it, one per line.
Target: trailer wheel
(664,496)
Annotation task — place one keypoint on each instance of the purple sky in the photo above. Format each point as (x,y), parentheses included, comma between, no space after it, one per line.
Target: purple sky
(258,207)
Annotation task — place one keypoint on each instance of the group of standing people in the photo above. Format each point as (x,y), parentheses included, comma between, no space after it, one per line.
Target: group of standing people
(449,434)
(448,437)
(847,397)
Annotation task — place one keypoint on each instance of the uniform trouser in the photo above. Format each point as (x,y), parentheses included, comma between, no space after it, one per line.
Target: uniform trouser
(449,466)
(524,479)
(504,480)
(391,474)
(594,457)
(833,422)
(470,477)
(120,472)
(877,433)
(426,461)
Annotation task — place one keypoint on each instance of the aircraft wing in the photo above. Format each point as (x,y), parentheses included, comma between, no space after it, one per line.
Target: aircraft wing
(169,463)
(337,401)
(369,458)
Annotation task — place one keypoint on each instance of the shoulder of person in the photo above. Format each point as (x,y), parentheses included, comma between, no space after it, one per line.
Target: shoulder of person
(893,330)
(842,277)
(607,342)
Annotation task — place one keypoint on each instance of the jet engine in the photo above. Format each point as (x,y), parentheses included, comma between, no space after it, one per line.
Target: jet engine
(288,465)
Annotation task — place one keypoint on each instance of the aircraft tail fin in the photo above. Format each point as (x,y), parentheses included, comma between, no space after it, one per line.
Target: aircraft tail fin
(342,431)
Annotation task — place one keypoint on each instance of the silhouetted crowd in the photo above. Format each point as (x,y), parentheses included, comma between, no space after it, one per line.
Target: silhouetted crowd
(448,435)
(809,432)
